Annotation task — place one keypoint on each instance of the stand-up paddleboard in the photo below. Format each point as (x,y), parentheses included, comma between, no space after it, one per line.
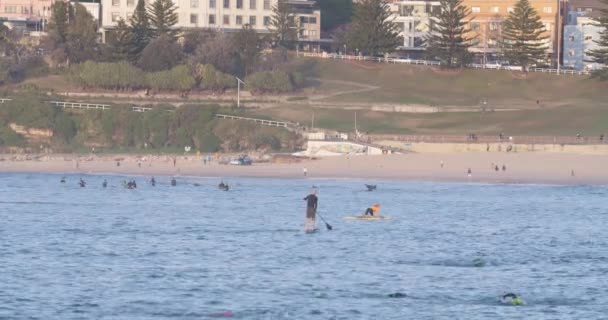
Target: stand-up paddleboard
(368,218)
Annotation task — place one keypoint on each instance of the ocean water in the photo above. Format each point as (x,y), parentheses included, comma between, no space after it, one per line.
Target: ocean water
(194,252)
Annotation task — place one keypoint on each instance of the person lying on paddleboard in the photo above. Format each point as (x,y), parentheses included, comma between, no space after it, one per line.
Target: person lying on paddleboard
(375,209)
(511,299)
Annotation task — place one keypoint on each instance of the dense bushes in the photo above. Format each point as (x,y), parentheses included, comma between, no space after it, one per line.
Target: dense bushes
(176,79)
(124,76)
(212,79)
(108,75)
(274,81)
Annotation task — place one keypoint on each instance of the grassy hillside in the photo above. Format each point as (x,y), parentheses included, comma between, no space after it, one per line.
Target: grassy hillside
(562,121)
(407,84)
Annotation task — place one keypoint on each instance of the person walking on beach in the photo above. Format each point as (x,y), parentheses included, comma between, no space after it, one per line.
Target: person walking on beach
(311,211)
(305,172)
(469,172)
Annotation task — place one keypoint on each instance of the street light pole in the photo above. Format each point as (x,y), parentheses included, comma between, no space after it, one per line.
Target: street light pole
(559,31)
(238,91)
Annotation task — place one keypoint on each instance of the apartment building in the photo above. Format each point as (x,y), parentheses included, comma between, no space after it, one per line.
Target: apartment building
(414,21)
(486,24)
(33,15)
(224,15)
(580,34)
(25,14)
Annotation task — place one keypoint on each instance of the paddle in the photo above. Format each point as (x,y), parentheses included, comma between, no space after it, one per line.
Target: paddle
(329,227)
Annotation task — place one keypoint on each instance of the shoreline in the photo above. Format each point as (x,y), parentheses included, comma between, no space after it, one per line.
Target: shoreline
(520,168)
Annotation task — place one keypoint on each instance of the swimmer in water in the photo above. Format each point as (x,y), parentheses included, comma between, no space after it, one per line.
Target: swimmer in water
(511,299)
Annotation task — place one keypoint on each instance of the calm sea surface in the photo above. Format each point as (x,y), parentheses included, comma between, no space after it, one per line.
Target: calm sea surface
(194,252)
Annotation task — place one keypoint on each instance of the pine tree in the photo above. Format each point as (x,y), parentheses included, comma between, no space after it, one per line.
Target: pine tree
(600,55)
(60,16)
(372,30)
(140,30)
(163,17)
(121,42)
(523,36)
(448,42)
(247,44)
(82,36)
(282,24)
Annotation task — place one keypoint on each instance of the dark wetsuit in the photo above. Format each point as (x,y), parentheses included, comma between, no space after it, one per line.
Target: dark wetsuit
(311,206)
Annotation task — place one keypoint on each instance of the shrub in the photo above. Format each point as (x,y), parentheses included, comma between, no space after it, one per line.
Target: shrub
(176,79)
(269,81)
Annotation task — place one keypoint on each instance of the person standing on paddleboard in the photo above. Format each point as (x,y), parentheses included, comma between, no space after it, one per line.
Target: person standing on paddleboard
(311,210)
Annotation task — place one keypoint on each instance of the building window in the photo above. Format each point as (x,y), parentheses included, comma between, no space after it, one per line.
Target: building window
(494,26)
(266,4)
(312,20)
(492,43)
(266,21)
(194,19)
(571,38)
(547,9)
(418,42)
(571,53)
(474,26)
(253,4)
(226,4)
(115,3)
(494,9)
(239,4)
(211,19)
(212,4)
(130,3)
(475,9)
(588,38)
(239,20)
(193,3)
(115,16)
(253,20)
(226,19)
(303,20)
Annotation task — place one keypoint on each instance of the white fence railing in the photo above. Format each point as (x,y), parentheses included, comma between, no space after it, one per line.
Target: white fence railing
(264,122)
(434,63)
(80,105)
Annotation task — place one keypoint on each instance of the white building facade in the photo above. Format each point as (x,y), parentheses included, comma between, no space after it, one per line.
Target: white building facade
(414,21)
(223,15)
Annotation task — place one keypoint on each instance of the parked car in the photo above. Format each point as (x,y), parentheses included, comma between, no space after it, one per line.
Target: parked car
(241,161)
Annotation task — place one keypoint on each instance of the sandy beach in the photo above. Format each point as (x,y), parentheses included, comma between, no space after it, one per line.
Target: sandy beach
(531,168)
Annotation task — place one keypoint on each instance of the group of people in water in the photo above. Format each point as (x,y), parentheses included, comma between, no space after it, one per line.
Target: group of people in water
(132,184)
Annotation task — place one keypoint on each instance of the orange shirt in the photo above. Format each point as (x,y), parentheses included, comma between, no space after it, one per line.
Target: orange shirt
(376,208)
